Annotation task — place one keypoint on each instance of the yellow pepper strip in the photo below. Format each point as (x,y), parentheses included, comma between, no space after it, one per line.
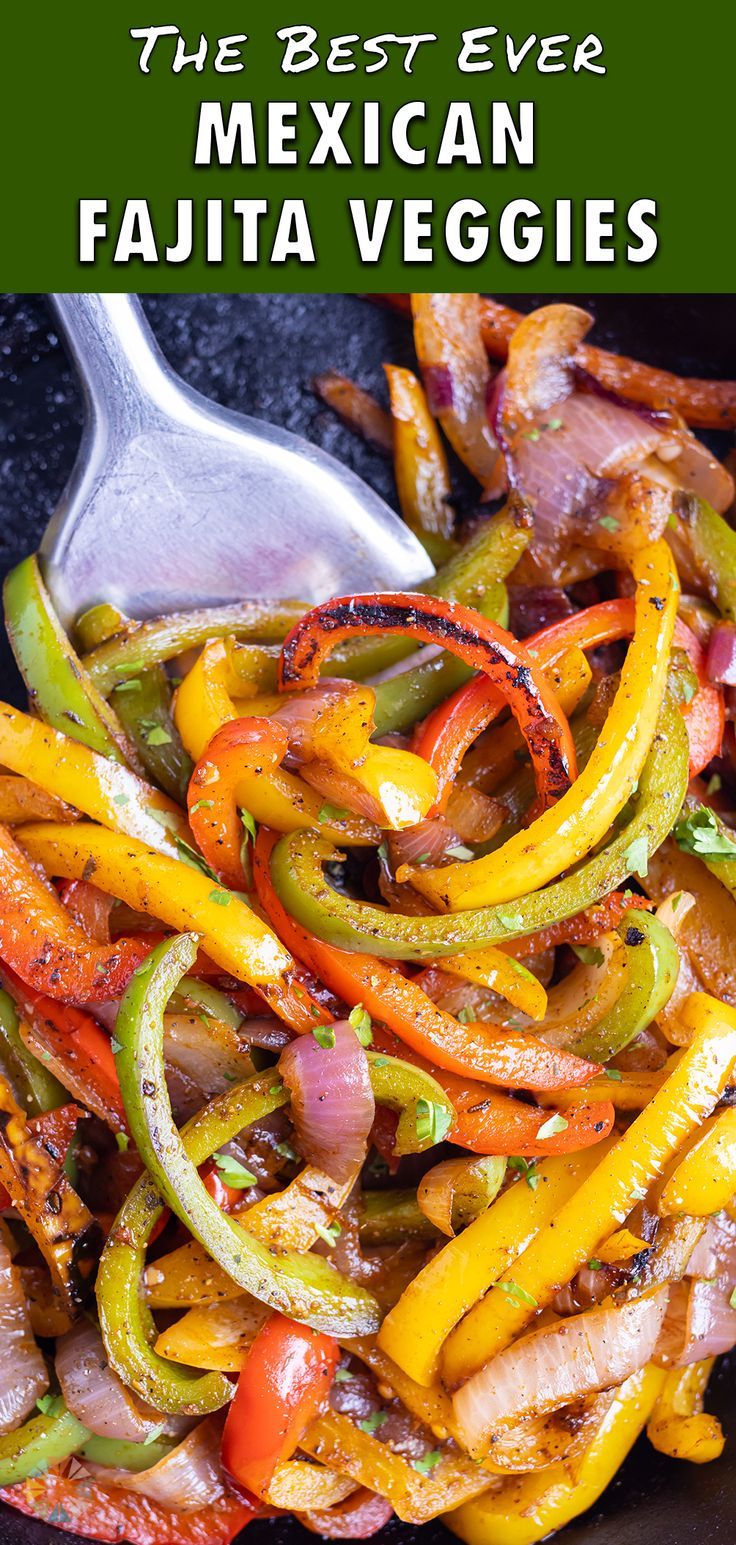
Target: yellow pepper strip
(21,800)
(222,671)
(420,465)
(566,832)
(339,1444)
(297,1486)
(413,1332)
(508,977)
(403,786)
(525,1511)
(214,1335)
(705,1179)
(622,1246)
(678,1425)
(292,1219)
(234,936)
(105,790)
(603,1200)
(632,1091)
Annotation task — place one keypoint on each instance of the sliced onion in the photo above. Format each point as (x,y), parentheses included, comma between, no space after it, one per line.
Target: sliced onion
(332,1102)
(426,843)
(23,1375)
(94,1394)
(303,713)
(361,1516)
(339,789)
(721,664)
(475,815)
(699,1323)
(715,1252)
(554,1366)
(457,377)
(539,368)
(455,1192)
(209,1052)
(533,607)
(190,1477)
(439,388)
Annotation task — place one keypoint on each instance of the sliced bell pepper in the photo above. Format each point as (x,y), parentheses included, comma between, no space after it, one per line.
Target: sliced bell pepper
(119,1454)
(502,974)
(678,1425)
(705,1179)
(565,833)
(143,706)
(505,1057)
(32,1172)
(606,1197)
(480,643)
(297,862)
(306,1287)
(224,672)
(71,1044)
(115,796)
(420,465)
(527,1510)
(404,698)
(705,546)
(58,685)
(457,378)
(651,963)
(43,1441)
(283,1383)
(34,1086)
(41,942)
(415,1330)
(99,1511)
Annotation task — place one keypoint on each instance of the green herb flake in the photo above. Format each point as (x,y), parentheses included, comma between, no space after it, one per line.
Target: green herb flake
(531,434)
(509,920)
(285,1151)
(589,954)
(221,898)
(202,804)
(276,1089)
(45,1403)
(552,1126)
(329,1232)
(361,1022)
(433,1121)
(609,522)
(381,1062)
(636,857)
(249,825)
(328,813)
(554,423)
(527,1168)
(120,799)
(638,1194)
(595,1265)
(612,1073)
(374,1421)
(157,736)
(133,685)
(699,832)
(465,1015)
(115,1046)
(519,1294)
(123,1141)
(714,784)
(233,1172)
(427,1461)
(460,851)
(154,1434)
(324,1035)
(343,1376)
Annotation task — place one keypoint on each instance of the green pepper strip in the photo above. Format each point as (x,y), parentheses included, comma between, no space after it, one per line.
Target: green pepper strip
(119,1455)
(58,685)
(413,1093)
(652,964)
(404,699)
(149,643)
(306,1287)
(389,1217)
(40,1443)
(709,544)
(297,860)
(209,999)
(143,706)
(35,1089)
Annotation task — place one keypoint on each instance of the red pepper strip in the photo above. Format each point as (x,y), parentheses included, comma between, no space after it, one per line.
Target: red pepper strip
(482,644)
(255,745)
(226,1197)
(42,943)
(55,1130)
(89,906)
(702,403)
(282,1385)
(357,1518)
(510,1058)
(79,1048)
(82,1506)
(450,730)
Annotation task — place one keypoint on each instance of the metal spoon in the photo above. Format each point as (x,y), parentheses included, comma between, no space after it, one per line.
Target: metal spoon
(174,502)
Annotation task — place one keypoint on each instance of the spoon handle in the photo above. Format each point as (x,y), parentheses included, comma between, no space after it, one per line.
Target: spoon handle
(121,368)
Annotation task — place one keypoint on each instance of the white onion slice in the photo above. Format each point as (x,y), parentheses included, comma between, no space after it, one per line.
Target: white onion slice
(94,1394)
(23,1375)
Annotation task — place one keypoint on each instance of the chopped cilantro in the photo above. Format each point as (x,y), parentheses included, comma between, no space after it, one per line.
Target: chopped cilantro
(324,1035)
(120,799)
(157,736)
(609,522)
(510,920)
(221,898)
(233,1172)
(518,1293)
(465,1015)
(285,1151)
(527,1168)
(714,784)
(328,813)
(636,857)
(590,954)
(552,1126)
(330,1232)
(361,1022)
(154,1434)
(249,825)
(202,804)
(613,1073)
(374,1421)
(433,1121)
(343,1375)
(427,1461)
(123,1141)
(700,832)
(594,1265)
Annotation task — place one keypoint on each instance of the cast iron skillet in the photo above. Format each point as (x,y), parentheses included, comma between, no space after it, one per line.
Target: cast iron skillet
(259,353)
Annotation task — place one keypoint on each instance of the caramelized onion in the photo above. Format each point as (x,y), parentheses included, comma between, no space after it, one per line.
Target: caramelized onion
(23,1375)
(94,1394)
(455,1192)
(190,1477)
(332,1101)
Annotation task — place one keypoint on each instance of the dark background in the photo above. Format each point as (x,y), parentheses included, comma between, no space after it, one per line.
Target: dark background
(259,353)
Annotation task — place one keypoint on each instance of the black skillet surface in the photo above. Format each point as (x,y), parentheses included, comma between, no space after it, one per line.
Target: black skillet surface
(258,353)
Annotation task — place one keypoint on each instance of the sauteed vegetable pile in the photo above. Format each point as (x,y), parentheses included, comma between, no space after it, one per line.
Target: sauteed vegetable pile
(368,1010)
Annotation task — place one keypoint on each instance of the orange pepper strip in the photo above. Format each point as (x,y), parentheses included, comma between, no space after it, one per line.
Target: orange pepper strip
(510,1058)
(480,643)
(42,943)
(74,1047)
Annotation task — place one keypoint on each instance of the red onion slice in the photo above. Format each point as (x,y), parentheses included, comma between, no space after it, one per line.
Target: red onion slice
(23,1375)
(552,1367)
(721,663)
(332,1102)
(94,1394)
